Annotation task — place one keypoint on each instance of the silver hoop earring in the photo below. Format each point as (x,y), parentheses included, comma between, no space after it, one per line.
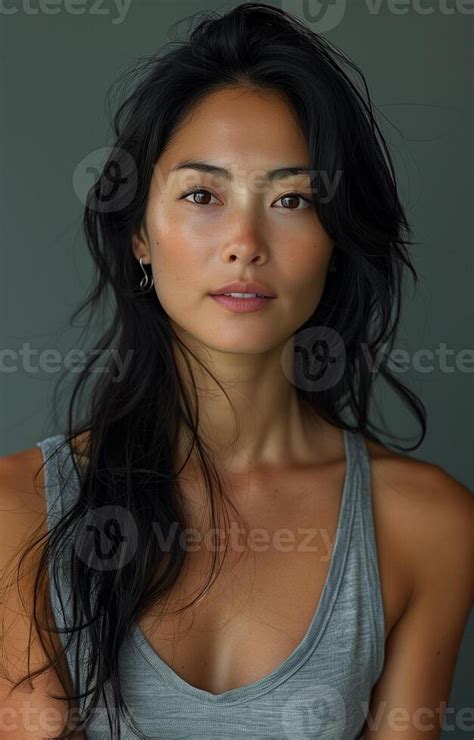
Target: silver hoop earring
(145,278)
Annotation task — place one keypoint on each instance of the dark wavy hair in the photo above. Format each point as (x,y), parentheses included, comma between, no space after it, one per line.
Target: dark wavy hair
(133,424)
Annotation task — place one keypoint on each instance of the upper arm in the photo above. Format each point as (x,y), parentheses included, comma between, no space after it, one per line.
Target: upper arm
(26,712)
(410,698)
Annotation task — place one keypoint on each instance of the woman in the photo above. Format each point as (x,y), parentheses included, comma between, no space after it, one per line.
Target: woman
(231,549)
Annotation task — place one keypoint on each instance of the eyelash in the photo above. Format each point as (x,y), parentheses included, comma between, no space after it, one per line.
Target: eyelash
(198,189)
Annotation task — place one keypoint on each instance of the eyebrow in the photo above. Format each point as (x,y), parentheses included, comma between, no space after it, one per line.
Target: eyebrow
(270,175)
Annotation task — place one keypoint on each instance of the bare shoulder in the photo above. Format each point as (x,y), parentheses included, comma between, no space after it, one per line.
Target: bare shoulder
(21,493)
(22,522)
(428,511)
(418,483)
(426,521)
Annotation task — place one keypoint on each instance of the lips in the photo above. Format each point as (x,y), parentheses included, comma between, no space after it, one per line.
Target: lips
(246,287)
(241,305)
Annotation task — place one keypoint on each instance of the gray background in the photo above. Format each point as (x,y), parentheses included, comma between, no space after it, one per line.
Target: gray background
(55,71)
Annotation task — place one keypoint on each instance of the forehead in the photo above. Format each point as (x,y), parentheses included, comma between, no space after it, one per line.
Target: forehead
(240,130)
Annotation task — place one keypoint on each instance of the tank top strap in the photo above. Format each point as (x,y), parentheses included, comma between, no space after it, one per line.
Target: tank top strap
(60,483)
(362,488)
(61,488)
(357,475)
(358,459)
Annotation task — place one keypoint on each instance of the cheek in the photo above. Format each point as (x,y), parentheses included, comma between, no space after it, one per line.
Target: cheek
(303,273)
(306,264)
(177,269)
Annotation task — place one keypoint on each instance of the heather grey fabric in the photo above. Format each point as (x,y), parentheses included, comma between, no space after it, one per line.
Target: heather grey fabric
(320,692)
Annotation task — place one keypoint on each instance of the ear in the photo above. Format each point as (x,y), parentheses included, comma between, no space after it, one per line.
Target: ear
(140,245)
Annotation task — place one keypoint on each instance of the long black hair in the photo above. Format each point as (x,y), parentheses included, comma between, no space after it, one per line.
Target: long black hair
(133,424)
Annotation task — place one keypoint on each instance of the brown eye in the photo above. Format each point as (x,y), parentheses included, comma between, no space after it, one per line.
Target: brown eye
(197,192)
(293,197)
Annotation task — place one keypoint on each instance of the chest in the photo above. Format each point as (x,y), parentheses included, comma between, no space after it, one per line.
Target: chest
(263,596)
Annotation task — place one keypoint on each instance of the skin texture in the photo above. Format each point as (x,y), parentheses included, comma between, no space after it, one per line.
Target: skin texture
(423,517)
(244,229)
(418,508)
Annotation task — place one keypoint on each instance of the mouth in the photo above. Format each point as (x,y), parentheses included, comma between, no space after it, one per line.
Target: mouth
(241,302)
(245,289)
(244,295)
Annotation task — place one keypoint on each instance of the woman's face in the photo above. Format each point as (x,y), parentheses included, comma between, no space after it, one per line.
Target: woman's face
(242,227)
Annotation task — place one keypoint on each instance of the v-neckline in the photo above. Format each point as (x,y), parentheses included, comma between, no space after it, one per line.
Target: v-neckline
(316,627)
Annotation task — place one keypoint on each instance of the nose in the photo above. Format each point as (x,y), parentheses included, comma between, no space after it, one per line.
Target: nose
(247,247)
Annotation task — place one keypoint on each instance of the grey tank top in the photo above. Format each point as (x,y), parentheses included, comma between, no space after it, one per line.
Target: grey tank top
(321,691)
